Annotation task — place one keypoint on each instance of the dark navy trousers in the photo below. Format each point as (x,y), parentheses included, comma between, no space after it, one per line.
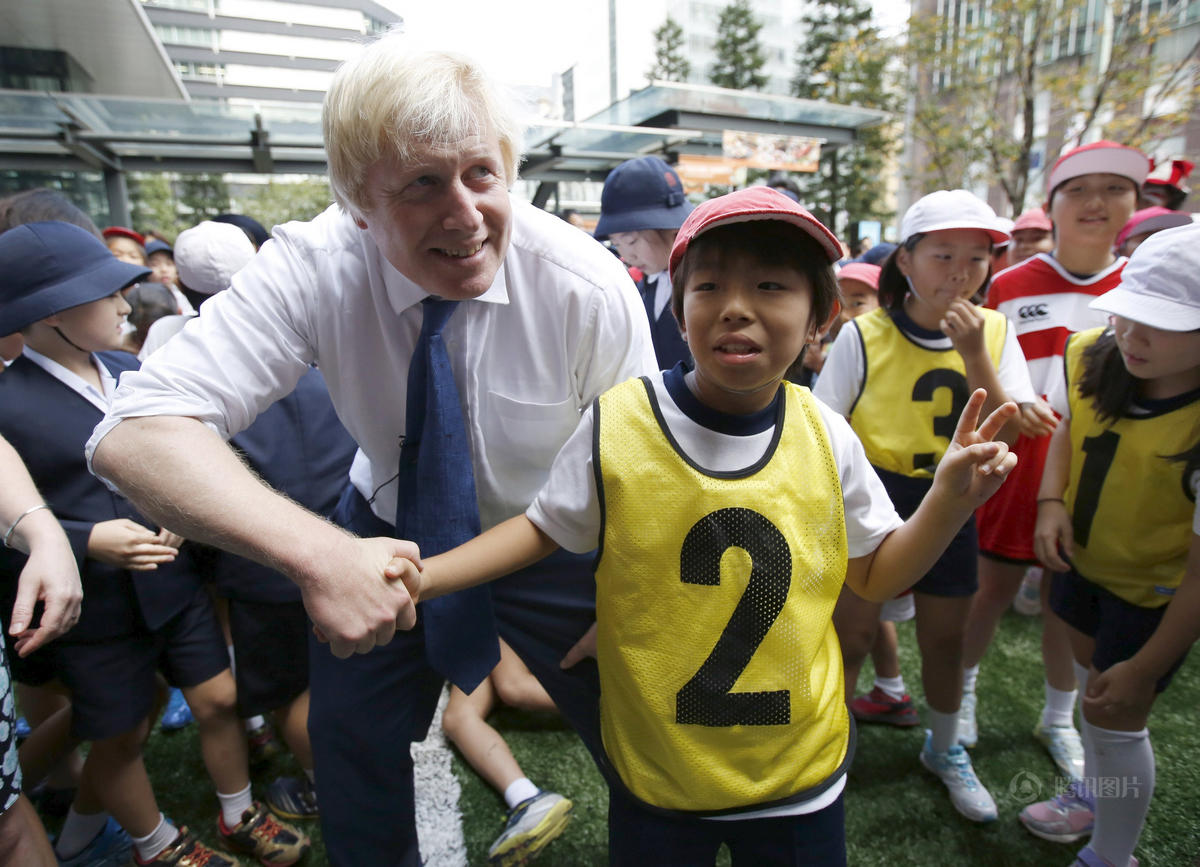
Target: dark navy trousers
(368,709)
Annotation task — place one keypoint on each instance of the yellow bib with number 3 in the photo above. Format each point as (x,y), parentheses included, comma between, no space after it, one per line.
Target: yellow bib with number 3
(911,396)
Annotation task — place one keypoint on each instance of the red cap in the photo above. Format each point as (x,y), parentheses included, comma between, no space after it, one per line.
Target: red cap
(1171,174)
(1034,218)
(754,203)
(122,232)
(862,272)
(1100,157)
(1149,220)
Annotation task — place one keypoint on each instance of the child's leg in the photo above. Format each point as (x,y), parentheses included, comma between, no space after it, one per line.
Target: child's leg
(940,633)
(222,742)
(464,722)
(292,719)
(49,753)
(856,621)
(999,581)
(885,652)
(114,771)
(516,686)
(23,840)
(637,837)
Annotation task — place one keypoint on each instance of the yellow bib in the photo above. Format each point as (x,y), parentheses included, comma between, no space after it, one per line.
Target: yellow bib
(720,671)
(1130,513)
(911,396)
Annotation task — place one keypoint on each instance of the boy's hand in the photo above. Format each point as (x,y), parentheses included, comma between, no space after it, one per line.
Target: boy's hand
(1037,419)
(963,324)
(582,649)
(172,540)
(1121,691)
(976,463)
(127,544)
(353,605)
(1053,536)
(403,569)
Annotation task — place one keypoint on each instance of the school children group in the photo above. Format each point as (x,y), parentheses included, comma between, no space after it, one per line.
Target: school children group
(966,423)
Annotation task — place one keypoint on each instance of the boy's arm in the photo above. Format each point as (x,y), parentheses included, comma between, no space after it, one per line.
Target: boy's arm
(505,548)
(974,467)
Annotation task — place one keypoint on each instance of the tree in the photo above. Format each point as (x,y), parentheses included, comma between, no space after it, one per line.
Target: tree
(981,80)
(740,57)
(153,204)
(670,61)
(845,61)
(279,201)
(203,196)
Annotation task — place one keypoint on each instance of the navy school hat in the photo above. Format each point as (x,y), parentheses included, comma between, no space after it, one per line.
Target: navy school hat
(154,245)
(642,193)
(51,267)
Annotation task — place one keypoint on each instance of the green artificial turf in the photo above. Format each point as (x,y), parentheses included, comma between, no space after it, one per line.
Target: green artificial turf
(896,812)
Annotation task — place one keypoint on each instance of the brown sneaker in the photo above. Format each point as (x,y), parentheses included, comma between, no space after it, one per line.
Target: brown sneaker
(272,841)
(187,851)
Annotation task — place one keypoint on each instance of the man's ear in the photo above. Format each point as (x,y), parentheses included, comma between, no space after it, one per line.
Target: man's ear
(816,334)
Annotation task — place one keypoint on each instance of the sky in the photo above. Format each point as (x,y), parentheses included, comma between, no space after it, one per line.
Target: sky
(526,42)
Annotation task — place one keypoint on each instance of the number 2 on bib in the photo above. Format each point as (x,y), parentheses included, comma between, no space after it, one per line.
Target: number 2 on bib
(706,699)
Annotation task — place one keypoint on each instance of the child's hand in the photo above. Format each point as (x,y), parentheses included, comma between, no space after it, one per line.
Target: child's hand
(171,540)
(1123,692)
(583,648)
(976,463)
(1053,534)
(1037,419)
(403,569)
(125,543)
(963,324)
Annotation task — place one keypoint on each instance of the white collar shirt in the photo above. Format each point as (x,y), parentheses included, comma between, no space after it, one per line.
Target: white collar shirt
(561,323)
(75,382)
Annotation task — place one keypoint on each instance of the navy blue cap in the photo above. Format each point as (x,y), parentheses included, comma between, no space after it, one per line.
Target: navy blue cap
(643,193)
(51,267)
(877,254)
(249,225)
(154,245)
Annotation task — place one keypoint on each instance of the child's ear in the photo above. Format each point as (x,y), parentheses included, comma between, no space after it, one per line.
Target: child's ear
(903,260)
(817,333)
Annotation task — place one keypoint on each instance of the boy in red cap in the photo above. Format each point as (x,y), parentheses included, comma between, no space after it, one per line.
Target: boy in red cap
(1092,193)
(729,507)
(1032,233)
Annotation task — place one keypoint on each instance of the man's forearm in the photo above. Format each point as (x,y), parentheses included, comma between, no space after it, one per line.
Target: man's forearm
(184,477)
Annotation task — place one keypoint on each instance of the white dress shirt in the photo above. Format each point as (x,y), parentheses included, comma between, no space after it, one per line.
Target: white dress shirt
(561,323)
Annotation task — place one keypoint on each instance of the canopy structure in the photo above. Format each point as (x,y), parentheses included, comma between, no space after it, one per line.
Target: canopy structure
(111,134)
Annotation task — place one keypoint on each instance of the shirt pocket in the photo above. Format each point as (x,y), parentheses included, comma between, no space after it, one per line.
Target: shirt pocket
(522,439)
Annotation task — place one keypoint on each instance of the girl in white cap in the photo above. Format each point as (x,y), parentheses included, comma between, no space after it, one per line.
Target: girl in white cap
(901,374)
(1117,518)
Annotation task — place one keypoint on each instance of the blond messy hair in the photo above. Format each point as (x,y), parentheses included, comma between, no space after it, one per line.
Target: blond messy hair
(391,101)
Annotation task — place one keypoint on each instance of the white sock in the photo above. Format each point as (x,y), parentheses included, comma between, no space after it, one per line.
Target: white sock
(1124,784)
(1081,679)
(892,686)
(78,830)
(518,791)
(1059,709)
(254,722)
(944,728)
(160,838)
(969,675)
(232,806)
(311,774)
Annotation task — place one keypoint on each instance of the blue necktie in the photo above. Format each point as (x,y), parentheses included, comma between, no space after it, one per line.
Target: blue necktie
(436,505)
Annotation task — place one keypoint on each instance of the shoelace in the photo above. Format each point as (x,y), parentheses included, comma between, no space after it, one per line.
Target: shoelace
(962,767)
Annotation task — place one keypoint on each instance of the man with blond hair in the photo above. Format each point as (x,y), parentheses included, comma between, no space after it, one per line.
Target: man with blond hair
(422,152)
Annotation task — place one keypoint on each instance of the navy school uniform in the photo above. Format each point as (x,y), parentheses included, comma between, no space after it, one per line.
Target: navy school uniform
(130,621)
(669,345)
(300,448)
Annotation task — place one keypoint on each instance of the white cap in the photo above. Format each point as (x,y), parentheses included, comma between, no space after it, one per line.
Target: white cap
(1160,286)
(208,255)
(950,209)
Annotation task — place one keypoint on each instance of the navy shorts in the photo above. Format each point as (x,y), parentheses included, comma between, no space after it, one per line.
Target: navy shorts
(637,836)
(956,572)
(270,643)
(1120,628)
(112,682)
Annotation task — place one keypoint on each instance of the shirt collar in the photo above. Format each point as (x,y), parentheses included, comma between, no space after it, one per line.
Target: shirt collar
(75,382)
(403,293)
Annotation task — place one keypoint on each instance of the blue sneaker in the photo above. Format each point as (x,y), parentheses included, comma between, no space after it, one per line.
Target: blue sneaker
(22,729)
(110,848)
(177,715)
